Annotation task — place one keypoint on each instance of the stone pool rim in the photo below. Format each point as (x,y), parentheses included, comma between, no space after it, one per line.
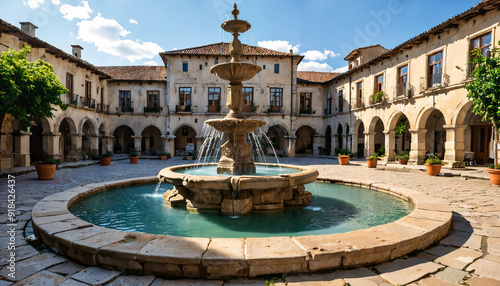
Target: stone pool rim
(219,258)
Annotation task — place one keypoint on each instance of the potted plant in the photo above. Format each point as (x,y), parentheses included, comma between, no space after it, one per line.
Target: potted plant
(192,155)
(485,95)
(106,158)
(46,168)
(403,158)
(163,156)
(343,156)
(133,155)
(372,161)
(434,165)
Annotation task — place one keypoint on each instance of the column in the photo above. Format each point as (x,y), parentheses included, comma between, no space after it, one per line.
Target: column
(369,143)
(335,143)
(417,153)
(168,144)
(390,144)
(317,143)
(110,145)
(354,142)
(137,143)
(454,145)
(76,148)
(51,144)
(290,152)
(22,149)
(94,145)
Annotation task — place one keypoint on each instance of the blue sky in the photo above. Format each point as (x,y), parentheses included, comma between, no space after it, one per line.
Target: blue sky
(132,32)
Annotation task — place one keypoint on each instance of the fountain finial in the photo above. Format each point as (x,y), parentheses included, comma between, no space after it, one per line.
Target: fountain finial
(235,12)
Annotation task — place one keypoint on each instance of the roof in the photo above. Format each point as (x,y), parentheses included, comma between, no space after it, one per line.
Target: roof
(315,77)
(136,73)
(356,51)
(452,22)
(223,49)
(37,43)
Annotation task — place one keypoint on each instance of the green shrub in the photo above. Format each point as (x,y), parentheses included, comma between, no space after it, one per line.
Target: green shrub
(434,160)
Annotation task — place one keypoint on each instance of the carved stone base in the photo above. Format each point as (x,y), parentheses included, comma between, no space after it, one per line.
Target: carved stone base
(236,168)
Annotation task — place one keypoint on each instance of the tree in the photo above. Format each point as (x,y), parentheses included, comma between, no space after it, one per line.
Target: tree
(29,90)
(484,90)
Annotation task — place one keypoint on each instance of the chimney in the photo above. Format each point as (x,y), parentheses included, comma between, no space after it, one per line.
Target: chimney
(28,28)
(291,51)
(77,51)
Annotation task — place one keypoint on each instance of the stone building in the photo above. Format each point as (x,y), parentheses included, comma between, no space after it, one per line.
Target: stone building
(409,98)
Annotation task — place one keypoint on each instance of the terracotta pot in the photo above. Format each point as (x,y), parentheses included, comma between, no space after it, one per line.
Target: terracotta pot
(106,161)
(190,158)
(434,170)
(372,163)
(134,160)
(403,161)
(343,160)
(45,171)
(494,176)
(163,158)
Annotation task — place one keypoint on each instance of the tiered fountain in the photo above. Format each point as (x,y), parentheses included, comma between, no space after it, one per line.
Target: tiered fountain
(239,192)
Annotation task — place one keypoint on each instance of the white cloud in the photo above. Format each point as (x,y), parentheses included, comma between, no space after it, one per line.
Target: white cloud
(79,12)
(150,63)
(56,2)
(33,4)
(342,69)
(314,66)
(108,36)
(282,46)
(315,55)
(132,21)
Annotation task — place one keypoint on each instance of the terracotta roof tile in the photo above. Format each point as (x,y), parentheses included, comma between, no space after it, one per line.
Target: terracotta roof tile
(136,73)
(315,77)
(223,49)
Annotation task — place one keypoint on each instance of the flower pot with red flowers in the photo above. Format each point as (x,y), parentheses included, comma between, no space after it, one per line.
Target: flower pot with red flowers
(47,168)
(434,165)
(133,156)
(494,172)
(106,158)
(403,158)
(372,161)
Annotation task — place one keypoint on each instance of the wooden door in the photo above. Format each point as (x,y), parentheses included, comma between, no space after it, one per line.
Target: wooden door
(480,140)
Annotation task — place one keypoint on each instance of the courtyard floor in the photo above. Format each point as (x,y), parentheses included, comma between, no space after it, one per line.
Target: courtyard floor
(469,254)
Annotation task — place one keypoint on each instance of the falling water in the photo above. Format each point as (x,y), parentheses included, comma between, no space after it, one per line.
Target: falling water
(157,187)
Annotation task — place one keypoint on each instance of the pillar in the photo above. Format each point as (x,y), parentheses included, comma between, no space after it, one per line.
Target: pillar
(168,144)
(390,144)
(455,145)
(111,141)
(51,144)
(335,143)
(317,143)
(76,148)
(369,143)
(94,145)
(417,153)
(137,143)
(354,142)
(290,152)
(22,149)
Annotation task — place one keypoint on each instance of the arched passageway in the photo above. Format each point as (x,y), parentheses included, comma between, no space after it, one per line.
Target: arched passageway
(305,140)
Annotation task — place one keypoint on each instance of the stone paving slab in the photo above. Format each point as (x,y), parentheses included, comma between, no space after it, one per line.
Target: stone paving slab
(451,275)
(67,268)
(42,278)
(494,246)
(481,281)
(404,271)
(132,281)
(95,275)
(433,281)
(189,282)
(463,239)
(30,266)
(454,257)
(486,268)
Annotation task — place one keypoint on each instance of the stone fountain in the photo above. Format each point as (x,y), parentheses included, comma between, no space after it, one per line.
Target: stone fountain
(237,193)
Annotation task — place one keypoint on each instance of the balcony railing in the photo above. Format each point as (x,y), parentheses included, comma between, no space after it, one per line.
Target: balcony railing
(434,81)
(305,111)
(249,108)
(274,109)
(104,108)
(152,109)
(73,99)
(183,108)
(126,109)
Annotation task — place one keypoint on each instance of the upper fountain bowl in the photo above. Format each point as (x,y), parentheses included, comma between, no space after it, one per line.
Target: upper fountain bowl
(235,72)
(239,26)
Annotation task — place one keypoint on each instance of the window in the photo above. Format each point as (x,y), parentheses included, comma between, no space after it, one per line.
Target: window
(201,67)
(341,100)
(247,99)
(184,67)
(125,103)
(305,102)
(69,85)
(214,99)
(276,98)
(153,103)
(185,96)
(402,80)
(359,94)
(276,68)
(482,42)
(329,104)
(379,83)
(435,69)
(216,61)
(88,92)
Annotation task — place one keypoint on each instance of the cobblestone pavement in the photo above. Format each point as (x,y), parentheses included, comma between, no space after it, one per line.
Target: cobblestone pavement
(470,254)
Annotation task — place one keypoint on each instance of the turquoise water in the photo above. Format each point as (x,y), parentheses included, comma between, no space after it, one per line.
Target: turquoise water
(335,209)
(211,170)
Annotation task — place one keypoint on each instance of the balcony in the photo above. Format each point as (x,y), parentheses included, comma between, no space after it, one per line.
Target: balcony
(152,109)
(183,108)
(126,109)
(249,108)
(274,109)
(434,81)
(103,108)
(73,99)
(214,108)
(305,111)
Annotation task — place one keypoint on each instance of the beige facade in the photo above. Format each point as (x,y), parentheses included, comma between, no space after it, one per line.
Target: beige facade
(420,107)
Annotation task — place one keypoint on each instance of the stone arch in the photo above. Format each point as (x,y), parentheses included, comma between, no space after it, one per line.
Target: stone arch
(462,112)
(39,143)
(328,140)
(151,137)
(124,139)
(68,147)
(432,120)
(91,123)
(89,131)
(305,140)
(398,141)
(376,136)
(185,139)
(276,134)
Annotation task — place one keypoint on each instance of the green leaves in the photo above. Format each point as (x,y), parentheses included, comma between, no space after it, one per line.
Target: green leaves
(28,89)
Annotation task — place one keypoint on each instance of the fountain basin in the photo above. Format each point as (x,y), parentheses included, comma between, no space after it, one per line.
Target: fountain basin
(219,258)
(235,71)
(237,195)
